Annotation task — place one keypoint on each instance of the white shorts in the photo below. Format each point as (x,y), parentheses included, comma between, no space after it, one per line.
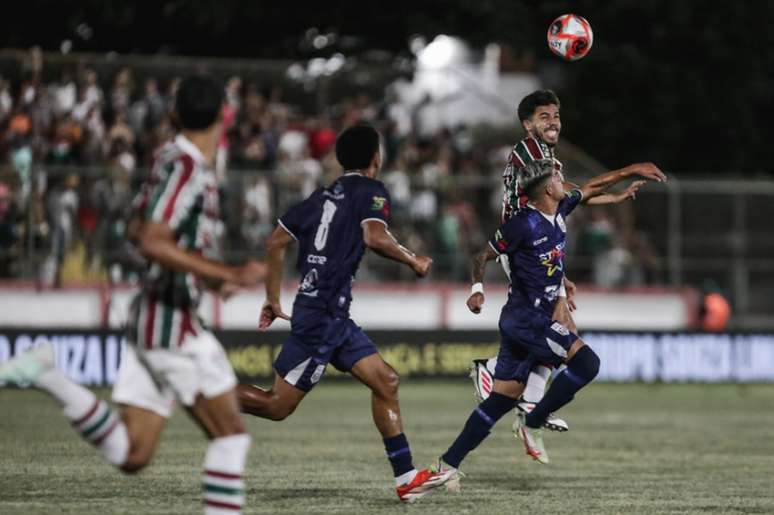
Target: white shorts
(153,379)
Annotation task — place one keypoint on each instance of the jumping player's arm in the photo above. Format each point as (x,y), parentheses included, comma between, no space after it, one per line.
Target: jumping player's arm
(476,299)
(275,257)
(378,238)
(506,239)
(599,184)
(608,198)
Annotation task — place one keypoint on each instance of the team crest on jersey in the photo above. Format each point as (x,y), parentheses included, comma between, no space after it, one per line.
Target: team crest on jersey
(381,204)
(560,223)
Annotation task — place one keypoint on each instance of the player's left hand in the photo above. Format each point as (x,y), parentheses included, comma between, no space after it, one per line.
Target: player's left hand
(631,191)
(270,312)
(475,302)
(571,290)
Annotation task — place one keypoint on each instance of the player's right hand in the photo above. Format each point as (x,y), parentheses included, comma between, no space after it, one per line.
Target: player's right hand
(422,265)
(475,302)
(270,312)
(251,273)
(648,171)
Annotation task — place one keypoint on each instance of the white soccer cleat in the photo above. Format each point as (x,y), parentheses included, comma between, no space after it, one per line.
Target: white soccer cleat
(453,483)
(552,423)
(425,481)
(482,380)
(23,370)
(533,442)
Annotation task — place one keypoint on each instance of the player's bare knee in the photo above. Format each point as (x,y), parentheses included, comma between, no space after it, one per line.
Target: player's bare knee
(281,412)
(387,386)
(574,348)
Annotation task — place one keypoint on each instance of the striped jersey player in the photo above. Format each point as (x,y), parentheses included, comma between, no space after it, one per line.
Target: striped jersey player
(171,357)
(182,193)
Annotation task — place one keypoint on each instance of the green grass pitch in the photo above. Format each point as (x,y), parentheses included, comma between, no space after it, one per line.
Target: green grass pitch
(631,449)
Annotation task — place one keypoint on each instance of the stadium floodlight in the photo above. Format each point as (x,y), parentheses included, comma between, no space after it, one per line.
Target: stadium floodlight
(443,51)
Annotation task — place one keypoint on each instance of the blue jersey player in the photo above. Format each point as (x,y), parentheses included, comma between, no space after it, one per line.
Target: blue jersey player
(534,241)
(333,227)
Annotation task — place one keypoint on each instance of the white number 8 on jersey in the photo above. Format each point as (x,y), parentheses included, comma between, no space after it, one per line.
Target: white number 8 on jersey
(321,237)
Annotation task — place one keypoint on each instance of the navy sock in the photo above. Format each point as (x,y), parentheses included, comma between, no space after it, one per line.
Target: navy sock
(581,369)
(399,454)
(477,427)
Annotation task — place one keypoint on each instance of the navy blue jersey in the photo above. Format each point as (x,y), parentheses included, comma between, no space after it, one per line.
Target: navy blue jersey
(328,228)
(535,244)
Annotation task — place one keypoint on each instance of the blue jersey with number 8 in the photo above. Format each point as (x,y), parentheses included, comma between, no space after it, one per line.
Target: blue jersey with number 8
(328,228)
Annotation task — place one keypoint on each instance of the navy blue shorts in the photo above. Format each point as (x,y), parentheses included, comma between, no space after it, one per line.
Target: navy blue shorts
(529,337)
(316,339)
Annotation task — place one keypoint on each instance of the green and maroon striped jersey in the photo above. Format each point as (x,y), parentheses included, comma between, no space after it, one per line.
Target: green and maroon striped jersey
(181,192)
(527,150)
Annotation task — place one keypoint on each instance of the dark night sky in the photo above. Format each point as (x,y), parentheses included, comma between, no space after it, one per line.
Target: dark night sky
(688,84)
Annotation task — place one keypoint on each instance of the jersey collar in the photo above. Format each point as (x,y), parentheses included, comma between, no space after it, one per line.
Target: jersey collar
(551,219)
(189,148)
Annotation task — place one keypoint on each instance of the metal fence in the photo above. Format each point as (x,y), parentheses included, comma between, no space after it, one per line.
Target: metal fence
(708,233)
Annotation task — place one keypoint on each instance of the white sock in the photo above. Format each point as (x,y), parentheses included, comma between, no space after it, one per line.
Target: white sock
(406,478)
(536,384)
(92,418)
(224,488)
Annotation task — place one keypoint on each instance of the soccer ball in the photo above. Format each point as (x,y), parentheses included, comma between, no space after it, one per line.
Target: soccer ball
(570,37)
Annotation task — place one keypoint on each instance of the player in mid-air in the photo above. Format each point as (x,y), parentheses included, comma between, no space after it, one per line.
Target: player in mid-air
(170,356)
(333,227)
(534,240)
(539,114)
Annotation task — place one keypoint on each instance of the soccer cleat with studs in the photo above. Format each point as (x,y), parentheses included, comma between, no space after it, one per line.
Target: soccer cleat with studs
(425,481)
(533,441)
(552,423)
(24,369)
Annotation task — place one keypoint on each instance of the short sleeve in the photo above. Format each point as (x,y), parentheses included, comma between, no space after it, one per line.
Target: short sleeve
(293,220)
(375,204)
(507,238)
(570,201)
(172,195)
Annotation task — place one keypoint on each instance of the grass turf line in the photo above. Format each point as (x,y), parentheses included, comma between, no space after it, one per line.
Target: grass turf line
(631,449)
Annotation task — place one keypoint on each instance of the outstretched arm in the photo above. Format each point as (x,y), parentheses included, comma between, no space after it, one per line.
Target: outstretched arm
(380,240)
(275,257)
(597,186)
(476,299)
(616,198)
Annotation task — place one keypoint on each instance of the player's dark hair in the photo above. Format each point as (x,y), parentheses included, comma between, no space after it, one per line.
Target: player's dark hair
(534,176)
(356,147)
(539,98)
(198,102)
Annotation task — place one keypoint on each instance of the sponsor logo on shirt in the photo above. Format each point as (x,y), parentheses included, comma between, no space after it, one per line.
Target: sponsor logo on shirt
(552,259)
(539,241)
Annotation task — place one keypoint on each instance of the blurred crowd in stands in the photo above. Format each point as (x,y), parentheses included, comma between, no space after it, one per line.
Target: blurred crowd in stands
(74,149)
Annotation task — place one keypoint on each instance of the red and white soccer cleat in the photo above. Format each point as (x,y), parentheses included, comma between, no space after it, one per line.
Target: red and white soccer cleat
(423,482)
(533,442)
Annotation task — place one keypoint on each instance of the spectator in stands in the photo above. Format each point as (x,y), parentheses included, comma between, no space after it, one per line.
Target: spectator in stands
(10,232)
(715,310)
(61,206)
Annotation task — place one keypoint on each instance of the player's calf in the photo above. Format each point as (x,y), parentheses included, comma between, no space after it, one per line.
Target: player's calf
(581,369)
